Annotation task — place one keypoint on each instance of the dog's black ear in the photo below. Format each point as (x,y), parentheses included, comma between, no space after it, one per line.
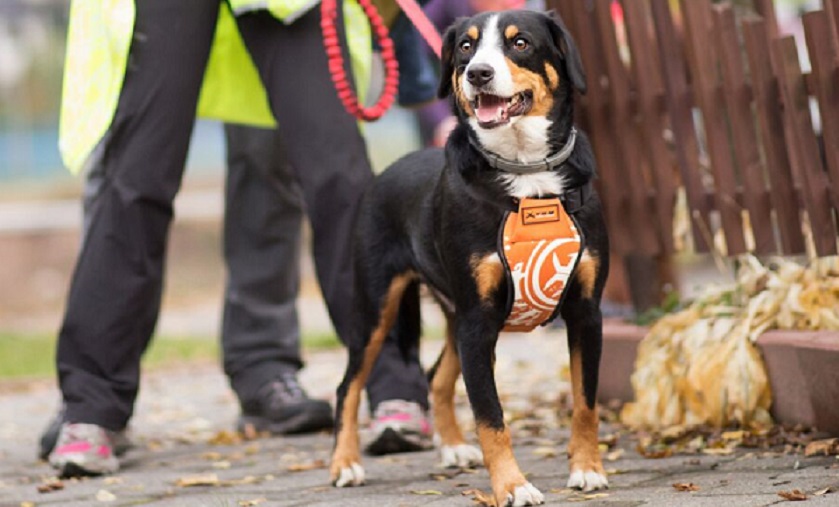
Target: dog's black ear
(447,62)
(568,50)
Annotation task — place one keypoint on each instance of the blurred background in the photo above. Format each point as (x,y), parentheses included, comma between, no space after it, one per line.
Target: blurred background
(40,211)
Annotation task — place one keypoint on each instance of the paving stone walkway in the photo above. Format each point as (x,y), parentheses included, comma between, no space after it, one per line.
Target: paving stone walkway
(187,456)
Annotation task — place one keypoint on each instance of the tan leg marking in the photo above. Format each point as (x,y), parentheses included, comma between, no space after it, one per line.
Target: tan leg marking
(583,452)
(488,273)
(587,273)
(347,447)
(524,79)
(442,393)
(504,472)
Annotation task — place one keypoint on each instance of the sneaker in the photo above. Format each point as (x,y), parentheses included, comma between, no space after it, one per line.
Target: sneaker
(282,407)
(82,450)
(119,439)
(399,426)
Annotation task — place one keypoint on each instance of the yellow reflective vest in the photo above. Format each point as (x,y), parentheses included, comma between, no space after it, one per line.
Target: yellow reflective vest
(99,39)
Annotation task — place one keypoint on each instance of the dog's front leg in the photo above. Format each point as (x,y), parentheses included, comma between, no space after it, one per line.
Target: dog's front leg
(585,337)
(477,353)
(454,450)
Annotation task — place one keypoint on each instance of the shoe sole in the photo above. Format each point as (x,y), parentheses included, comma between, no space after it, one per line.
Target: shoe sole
(392,442)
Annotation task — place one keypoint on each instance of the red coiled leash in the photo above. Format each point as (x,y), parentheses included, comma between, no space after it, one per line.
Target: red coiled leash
(329,13)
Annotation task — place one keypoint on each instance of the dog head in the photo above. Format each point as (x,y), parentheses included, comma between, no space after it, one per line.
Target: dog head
(512,75)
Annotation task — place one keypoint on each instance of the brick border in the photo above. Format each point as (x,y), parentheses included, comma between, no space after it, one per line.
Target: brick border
(803,368)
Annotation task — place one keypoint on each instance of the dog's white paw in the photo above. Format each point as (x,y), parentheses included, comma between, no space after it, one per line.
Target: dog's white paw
(526,494)
(587,480)
(461,456)
(350,476)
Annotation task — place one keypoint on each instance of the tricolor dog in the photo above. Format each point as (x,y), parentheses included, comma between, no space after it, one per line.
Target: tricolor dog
(506,232)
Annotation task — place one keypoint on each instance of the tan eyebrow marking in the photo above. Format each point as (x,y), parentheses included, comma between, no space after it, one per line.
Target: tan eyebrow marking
(473,32)
(511,31)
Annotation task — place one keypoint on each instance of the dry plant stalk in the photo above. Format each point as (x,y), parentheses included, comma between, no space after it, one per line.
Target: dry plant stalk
(700,365)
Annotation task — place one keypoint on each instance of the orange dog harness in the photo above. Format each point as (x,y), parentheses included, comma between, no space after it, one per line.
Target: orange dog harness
(540,248)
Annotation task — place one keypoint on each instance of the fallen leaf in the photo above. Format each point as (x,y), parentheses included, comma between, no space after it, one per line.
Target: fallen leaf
(225,437)
(50,486)
(545,452)
(685,486)
(826,447)
(103,495)
(426,492)
(795,495)
(251,503)
(211,456)
(223,464)
(112,480)
(733,435)
(27,504)
(722,451)
(302,467)
(479,497)
(823,492)
(197,480)
(615,455)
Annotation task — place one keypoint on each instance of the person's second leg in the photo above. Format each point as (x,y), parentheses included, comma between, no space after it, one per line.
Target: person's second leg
(115,292)
(329,156)
(260,330)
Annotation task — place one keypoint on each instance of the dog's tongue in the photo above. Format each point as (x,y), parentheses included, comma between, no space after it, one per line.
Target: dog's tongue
(491,108)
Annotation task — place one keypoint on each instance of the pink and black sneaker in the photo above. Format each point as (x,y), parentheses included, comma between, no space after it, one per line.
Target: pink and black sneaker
(399,426)
(82,450)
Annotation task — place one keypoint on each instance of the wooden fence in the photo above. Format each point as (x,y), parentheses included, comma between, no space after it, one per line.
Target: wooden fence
(694,97)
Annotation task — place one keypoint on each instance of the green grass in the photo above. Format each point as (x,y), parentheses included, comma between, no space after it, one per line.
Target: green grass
(33,355)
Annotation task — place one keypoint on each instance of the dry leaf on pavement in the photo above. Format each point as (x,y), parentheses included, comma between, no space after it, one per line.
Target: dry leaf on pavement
(795,495)
(103,495)
(302,467)
(826,447)
(685,486)
(479,497)
(426,492)
(251,503)
(50,486)
(197,480)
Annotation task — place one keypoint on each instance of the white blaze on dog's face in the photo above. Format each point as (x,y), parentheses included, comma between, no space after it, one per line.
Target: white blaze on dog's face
(505,70)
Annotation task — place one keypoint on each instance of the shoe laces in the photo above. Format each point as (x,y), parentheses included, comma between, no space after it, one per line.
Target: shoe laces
(285,389)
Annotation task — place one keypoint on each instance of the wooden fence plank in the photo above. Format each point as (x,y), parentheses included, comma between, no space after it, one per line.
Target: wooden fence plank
(738,102)
(831,7)
(632,162)
(770,120)
(679,105)
(825,63)
(803,147)
(596,115)
(703,65)
(652,118)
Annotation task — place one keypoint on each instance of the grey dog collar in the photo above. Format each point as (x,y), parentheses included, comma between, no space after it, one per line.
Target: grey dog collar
(546,164)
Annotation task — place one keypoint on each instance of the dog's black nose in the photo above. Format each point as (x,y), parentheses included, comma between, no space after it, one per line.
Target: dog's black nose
(480,74)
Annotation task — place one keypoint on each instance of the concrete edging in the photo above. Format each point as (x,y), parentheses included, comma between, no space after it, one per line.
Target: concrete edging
(803,369)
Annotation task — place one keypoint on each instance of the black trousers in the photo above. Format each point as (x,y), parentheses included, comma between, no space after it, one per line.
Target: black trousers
(114,298)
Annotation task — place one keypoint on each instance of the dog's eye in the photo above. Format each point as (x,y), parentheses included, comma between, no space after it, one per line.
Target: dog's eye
(466,46)
(520,43)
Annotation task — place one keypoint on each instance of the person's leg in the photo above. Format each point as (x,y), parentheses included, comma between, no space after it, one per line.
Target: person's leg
(329,156)
(114,297)
(260,331)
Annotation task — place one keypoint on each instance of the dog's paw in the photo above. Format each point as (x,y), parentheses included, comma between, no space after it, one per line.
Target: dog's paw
(461,456)
(348,475)
(588,480)
(526,494)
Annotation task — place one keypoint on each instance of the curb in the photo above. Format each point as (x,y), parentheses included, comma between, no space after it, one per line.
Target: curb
(802,369)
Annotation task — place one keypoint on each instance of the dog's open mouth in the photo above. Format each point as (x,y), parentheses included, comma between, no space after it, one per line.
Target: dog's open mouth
(492,110)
